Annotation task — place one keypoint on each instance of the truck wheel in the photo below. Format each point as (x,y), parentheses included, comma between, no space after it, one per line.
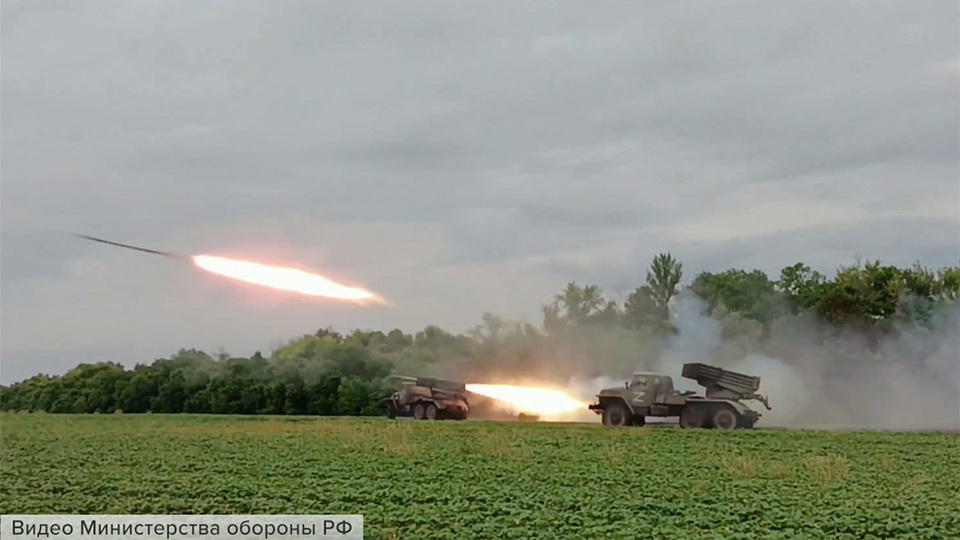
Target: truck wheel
(692,417)
(726,419)
(419,411)
(391,411)
(616,414)
(431,411)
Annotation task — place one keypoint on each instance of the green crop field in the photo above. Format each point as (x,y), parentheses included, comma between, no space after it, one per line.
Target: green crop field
(458,480)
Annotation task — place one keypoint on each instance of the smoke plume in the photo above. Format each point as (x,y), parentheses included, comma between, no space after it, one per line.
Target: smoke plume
(822,377)
(815,375)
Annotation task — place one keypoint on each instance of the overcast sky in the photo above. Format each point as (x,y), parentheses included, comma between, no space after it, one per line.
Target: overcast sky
(455,157)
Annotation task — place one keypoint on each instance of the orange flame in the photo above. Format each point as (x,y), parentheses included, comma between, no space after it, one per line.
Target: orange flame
(286,279)
(529,400)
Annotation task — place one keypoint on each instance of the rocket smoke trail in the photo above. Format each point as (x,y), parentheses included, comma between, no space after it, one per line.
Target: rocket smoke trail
(145,250)
(287,279)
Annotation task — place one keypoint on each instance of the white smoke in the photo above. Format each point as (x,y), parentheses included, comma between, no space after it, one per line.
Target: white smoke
(910,381)
(697,340)
(788,392)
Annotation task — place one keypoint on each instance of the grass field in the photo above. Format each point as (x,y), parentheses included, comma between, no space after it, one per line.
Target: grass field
(419,480)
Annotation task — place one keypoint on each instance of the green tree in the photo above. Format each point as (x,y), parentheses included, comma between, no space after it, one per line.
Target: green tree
(750,294)
(641,310)
(802,287)
(862,295)
(578,304)
(663,280)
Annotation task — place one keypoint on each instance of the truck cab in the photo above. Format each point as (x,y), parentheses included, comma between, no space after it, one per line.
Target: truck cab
(642,388)
(646,389)
(646,394)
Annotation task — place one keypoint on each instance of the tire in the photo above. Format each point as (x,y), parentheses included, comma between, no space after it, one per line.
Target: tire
(639,421)
(391,410)
(726,419)
(419,411)
(616,414)
(692,417)
(431,413)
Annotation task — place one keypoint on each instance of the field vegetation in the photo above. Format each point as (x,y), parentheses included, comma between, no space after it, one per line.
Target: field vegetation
(424,480)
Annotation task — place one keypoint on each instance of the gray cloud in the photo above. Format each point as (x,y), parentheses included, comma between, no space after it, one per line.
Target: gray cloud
(457,157)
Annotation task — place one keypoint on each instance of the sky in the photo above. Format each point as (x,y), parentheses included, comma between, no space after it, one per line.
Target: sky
(454,157)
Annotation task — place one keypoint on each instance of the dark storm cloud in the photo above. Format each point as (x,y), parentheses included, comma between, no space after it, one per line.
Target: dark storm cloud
(457,156)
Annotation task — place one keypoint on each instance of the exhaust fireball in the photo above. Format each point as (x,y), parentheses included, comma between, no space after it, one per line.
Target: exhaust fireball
(529,400)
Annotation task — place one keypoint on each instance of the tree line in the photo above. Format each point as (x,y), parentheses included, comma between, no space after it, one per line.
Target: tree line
(582,334)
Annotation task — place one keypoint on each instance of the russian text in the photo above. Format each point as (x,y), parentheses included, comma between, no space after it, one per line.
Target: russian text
(186,527)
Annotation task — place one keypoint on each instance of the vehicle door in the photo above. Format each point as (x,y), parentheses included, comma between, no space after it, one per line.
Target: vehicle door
(641,392)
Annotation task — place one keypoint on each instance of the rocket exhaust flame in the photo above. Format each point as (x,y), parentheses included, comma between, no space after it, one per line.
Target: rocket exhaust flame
(529,400)
(280,278)
(287,279)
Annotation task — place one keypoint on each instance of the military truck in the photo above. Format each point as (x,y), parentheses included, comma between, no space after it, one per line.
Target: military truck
(652,394)
(425,398)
